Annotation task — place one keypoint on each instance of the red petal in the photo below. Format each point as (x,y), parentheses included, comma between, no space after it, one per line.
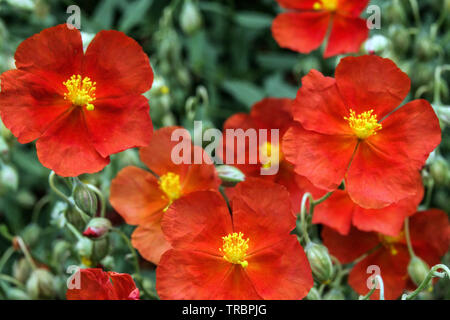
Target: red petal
(281,272)
(272,113)
(136,196)
(302,32)
(336,212)
(323,159)
(393,270)
(347,35)
(158,154)
(351,7)
(54,52)
(262,212)
(29,104)
(200,176)
(411,133)
(150,241)
(430,234)
(375,181)
(94,285)
(236,286)
(198,221)
(66,147)
(117,64)
(297,4)
(389,220)
(319,106)
(350,247)
(124,286)
(370,82)
(190,275)
(119,124)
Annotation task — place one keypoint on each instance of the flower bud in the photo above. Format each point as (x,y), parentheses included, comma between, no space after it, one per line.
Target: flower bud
(418,270)
(41,284)
(439,170)
(320,261)
(9,179)
(84,247)
(100,249)
(334,294)
(313,294)
(31,234)
(376,44)
(229,175)
(61,250)
(425,48)
(21,270)
(74,217)
(190,17)
(97,228)
(85,199)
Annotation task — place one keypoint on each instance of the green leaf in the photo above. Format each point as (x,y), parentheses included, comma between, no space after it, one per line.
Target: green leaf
(243,91)
(253,20)
(276,87)
(134,14)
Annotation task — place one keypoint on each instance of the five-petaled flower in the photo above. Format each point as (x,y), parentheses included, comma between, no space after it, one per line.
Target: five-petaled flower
(142,198)
(96,284)
(348,128)
(82,107)
(430,237)
(247,255)
(304,30)
(268,114)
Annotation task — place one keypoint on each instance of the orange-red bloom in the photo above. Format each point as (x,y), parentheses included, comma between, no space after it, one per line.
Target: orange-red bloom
(305,30)
(142,198)
(96,284)
(81,107)
(269,113)
(247,255)
(430,237)
(347,129)
(340,213)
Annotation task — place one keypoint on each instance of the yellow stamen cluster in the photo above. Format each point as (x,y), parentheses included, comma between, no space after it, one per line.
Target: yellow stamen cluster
(390,242)
(364,124)
(80,91)
(170,184)
(329,5)
(234,248)
(269,151)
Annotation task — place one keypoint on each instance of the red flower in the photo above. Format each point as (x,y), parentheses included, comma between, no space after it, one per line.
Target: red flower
(430,237)
(81,107)
(142,198)
(95,284)
(269,113)
(305,30)
(347,129)
(249,255)
(340,213)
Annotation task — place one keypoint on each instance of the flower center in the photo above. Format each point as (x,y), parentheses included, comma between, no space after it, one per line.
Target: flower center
(329,5)
(390,242)
(234,248)
(270,154)
(364,124)
(80,91)
(169,183)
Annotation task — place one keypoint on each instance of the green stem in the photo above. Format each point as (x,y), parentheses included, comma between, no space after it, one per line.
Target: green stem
(437,81)
(101,197)
(408,239)
(132,250)
(51,181)
(415,10)
(425,283)
(38,207)
(377,281)
(74,230)
(12,280)
(26,252)
(303,223)
(5,257)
